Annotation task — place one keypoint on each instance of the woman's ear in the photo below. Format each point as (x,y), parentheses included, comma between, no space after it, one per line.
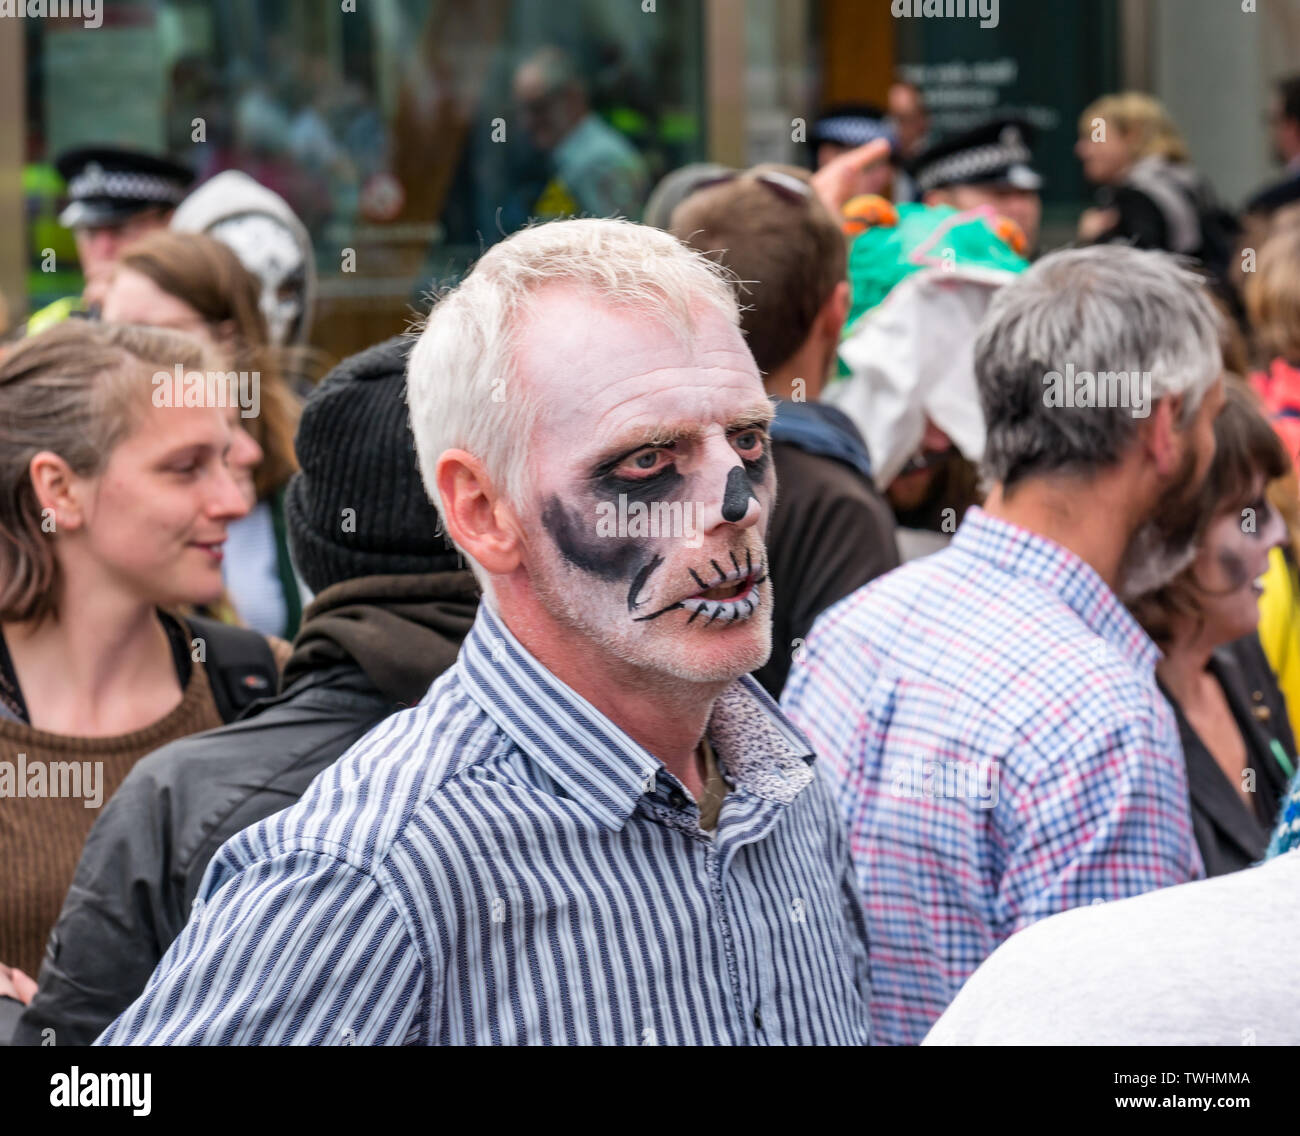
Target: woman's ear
(58,492)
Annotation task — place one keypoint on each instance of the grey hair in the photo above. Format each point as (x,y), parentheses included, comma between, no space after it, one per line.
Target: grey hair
(1102,309)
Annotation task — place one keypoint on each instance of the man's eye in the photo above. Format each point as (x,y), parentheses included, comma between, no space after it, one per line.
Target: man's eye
(749,440)
(644,464)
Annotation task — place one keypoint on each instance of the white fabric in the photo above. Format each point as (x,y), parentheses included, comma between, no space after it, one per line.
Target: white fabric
(1205,963)
(912,357)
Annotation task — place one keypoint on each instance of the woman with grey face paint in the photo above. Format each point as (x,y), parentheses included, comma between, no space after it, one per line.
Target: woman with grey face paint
(1232,718)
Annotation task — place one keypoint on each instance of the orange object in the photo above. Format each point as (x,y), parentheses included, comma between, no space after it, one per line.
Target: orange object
(1012,235)
(868,211)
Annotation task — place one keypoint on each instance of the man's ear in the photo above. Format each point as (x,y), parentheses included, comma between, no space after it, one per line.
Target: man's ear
(1164,440)
(57,489)
(478,519)
(836,309)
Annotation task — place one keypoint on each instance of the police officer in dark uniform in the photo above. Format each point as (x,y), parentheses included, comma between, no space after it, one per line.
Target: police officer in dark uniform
(115,196)
(990,165)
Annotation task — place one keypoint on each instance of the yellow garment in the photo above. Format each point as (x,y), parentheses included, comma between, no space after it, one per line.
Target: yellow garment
(53,313)
(1279,630)
(556,201)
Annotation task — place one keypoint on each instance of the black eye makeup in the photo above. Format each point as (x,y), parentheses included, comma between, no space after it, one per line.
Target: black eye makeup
(754,445)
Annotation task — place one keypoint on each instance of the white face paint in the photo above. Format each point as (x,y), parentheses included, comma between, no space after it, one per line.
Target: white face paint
(268,249)
(638,427)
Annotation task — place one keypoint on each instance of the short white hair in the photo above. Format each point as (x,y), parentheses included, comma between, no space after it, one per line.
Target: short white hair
(463,386)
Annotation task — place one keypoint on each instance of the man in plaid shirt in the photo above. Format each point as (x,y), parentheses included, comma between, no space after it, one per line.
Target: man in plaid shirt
(989,715)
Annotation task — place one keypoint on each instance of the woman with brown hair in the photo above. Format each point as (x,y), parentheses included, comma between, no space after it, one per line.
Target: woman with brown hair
(114,510)
(1232,719)
(195,284)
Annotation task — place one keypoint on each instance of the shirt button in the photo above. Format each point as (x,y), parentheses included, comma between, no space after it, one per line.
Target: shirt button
(677,800)
(758,1019)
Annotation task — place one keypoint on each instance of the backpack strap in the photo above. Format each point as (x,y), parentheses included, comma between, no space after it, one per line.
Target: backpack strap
(240,666)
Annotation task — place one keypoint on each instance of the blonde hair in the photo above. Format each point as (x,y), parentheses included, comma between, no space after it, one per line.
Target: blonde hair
(1272,295)
(463,386)
(75,391)
(1142,120)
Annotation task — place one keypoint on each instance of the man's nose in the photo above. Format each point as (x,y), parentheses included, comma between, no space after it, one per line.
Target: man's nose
(729,496)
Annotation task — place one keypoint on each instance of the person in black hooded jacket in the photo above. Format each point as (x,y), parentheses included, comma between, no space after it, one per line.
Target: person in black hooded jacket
(392,606)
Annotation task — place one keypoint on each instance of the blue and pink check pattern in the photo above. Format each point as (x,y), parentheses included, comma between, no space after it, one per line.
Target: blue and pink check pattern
(999,750)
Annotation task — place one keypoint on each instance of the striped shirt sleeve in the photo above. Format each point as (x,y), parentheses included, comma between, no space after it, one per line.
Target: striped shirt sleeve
(297,948)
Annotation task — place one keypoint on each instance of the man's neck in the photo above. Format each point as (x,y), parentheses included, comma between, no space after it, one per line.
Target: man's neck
(806,366)
(1093,519)
(665,715)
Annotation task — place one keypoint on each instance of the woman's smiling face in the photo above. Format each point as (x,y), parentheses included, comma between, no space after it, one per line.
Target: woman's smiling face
(155,517)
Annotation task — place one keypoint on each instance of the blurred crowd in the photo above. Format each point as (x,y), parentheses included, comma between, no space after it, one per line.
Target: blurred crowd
(783,604)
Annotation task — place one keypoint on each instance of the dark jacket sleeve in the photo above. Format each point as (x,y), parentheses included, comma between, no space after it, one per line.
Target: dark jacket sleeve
(1140,221)
(116,921)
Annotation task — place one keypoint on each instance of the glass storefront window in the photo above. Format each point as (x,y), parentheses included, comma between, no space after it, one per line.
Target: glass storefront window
(407,134)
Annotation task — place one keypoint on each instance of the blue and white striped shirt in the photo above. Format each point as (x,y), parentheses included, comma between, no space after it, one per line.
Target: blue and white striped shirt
(502,864)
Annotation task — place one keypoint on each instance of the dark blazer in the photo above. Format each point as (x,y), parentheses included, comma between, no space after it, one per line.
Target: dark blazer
(1229,835)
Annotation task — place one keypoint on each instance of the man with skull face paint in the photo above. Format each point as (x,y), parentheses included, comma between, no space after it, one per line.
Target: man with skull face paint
(596,827)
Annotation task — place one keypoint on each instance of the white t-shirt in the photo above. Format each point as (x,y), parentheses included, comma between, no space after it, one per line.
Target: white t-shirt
(1205,963)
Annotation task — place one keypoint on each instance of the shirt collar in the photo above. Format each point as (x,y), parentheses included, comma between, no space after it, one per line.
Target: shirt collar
(594,761)
(1029,556)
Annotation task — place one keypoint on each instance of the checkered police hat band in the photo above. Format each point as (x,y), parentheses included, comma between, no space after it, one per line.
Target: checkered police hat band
(973,164)
(848,130)
(125,187)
